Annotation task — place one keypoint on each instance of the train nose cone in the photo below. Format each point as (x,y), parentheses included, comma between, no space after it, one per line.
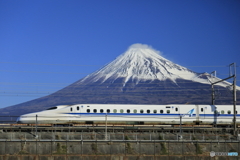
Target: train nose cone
(19,120)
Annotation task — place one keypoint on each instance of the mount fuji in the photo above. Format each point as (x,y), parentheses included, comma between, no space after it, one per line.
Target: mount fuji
(138,76)
(142,63)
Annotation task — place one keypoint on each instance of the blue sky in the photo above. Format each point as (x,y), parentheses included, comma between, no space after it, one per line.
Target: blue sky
(48,44)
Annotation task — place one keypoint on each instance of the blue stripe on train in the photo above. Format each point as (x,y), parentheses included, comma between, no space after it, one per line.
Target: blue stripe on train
(149,114)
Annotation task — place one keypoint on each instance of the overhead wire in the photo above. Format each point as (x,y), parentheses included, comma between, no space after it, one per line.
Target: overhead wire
(81,84)
(54,88)
(66,84)
(49,64)
(41,72)
(87,64)
(149,90)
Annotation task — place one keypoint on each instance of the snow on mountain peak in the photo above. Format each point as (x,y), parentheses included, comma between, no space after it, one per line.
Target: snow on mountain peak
(139,45)
(141,63)
(143,50)
(142,46)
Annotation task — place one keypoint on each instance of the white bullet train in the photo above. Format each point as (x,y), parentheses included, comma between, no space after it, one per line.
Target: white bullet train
(134,114)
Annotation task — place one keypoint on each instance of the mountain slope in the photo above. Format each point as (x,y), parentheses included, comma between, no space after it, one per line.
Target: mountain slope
(140,63)
(140,76)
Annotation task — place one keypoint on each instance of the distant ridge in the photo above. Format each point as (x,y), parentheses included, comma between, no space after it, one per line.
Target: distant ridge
(138,76)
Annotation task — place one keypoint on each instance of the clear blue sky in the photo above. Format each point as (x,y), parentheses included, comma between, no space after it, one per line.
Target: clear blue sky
(76,37)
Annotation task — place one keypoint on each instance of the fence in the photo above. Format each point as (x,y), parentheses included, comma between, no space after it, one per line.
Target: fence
(90,145)
(156,148)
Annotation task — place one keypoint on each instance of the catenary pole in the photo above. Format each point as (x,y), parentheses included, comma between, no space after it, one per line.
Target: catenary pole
(232,74)
(234,99)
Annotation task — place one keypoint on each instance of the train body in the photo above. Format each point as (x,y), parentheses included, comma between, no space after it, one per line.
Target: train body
(134,114)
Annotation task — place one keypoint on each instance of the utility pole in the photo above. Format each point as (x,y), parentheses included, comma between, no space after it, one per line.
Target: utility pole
(232,74)
(180,137)
(213,91)
(234,99)
(213,95)
(36,136)
(106,127)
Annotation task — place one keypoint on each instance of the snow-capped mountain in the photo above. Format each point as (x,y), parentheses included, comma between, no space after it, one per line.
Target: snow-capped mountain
(143,63)
(138,76)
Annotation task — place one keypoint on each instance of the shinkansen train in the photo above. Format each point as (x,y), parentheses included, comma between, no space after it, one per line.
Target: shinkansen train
(134,114)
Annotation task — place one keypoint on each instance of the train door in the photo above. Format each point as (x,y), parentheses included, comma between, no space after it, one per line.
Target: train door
(202,112)
(78,112)
(75,111)
(197,115)
(176,111)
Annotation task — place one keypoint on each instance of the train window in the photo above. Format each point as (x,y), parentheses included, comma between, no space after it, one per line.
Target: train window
(201,109)
(148,111)
(236,112)
(108,110)
(128,110)
(168,111)
(141,111)
(154,111)
(115,111)
(52,108)
(78,108)
(95,110)
(176,109)
(101,110)
(135,111)
(168,107)
(121,110)
(229,112)
(161,111)
(88,106)
(71,109)
(222,111)
(88,110)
